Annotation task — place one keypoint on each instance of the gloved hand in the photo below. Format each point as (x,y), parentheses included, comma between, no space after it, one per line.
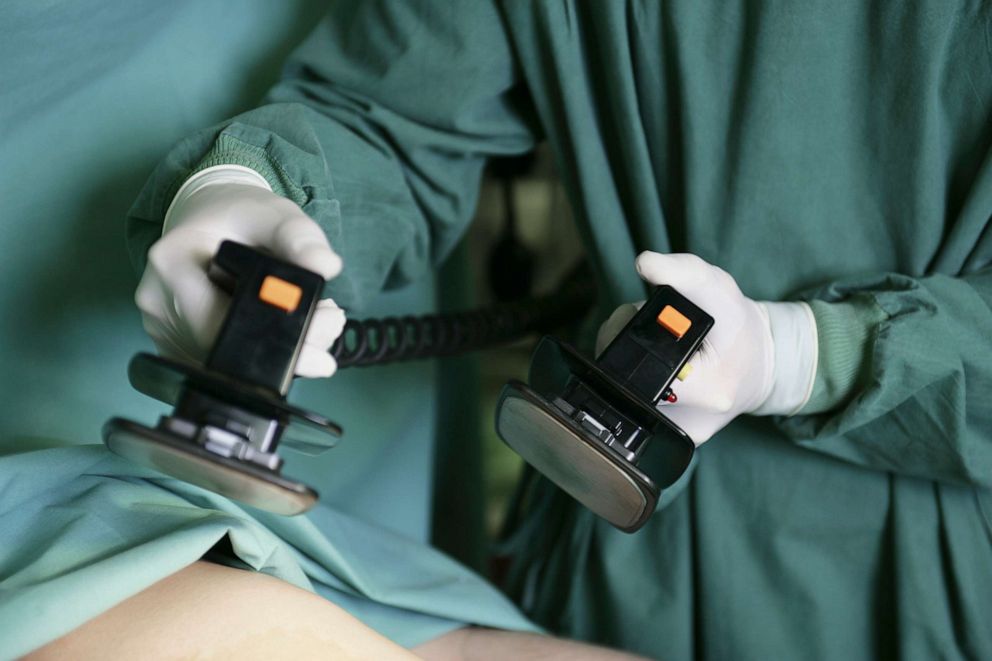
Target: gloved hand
(759,358)
(182,310)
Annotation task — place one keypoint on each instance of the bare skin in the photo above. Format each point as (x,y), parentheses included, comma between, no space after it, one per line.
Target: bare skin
(207,611)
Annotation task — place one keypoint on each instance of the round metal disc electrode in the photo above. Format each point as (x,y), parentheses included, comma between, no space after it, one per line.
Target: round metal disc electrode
(191,463)
(585,468)
(592,436)
(189,450)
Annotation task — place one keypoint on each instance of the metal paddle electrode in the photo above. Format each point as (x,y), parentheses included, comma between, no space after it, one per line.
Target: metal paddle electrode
(231,415)
(595,428)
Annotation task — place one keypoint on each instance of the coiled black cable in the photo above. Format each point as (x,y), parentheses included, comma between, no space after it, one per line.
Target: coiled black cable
(395,339)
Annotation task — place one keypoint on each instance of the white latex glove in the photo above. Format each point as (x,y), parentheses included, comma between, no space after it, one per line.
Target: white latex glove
(759,357)
(182,310)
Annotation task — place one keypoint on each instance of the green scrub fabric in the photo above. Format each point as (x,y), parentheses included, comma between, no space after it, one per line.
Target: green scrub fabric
(91,96)
(838,152)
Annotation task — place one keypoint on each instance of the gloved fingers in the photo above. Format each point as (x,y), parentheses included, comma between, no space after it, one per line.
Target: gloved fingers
(258,217)
(680,270)
(159,317)
(612,326)
(298,238)
(708,397)
(315,363)
(326,325)
(151,296)
(710,287)
(167,345)
(168,257)
(183,310)
(706,285)
(200,308)
(704,387)
(176,290)
(697,424)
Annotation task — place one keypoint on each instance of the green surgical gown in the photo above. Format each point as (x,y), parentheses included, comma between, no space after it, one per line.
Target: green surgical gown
(838,152)
(91,97)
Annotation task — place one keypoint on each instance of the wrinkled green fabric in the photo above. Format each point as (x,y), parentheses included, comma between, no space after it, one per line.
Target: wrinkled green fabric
(91,97)
(811,149)
(94,529)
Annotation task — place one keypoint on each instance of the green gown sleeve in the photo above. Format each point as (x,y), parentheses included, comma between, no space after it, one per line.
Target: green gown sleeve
(912,392)
(379,129)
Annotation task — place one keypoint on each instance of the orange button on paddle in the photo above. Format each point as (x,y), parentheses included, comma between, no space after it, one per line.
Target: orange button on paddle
(674,321)
(279,293)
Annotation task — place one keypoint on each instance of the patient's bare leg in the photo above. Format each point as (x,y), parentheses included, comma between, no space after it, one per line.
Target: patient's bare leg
(475,644)
(207,611)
